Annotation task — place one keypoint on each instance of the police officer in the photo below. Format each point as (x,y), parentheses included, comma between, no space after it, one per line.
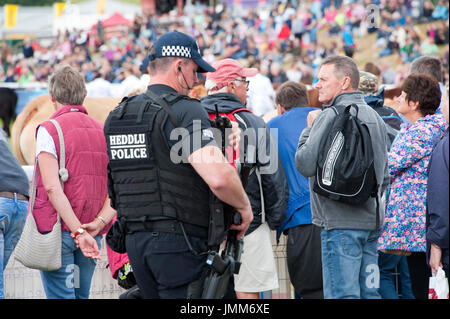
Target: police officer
(164,164)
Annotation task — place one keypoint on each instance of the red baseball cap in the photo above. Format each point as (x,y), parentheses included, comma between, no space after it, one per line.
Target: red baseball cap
(228,70)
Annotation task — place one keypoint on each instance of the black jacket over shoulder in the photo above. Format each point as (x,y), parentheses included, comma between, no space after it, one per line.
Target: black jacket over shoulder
(260,152)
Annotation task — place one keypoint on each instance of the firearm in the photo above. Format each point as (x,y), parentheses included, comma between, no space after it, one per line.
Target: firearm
(223,266)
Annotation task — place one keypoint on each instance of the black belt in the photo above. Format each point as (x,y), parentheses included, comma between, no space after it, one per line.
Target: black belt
(11,195)
(168,226)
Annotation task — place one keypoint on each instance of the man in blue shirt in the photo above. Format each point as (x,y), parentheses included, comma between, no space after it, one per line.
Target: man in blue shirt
(303,243)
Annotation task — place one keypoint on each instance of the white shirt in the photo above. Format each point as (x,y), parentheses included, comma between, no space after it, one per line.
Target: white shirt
(261,95)
(98,88)
(44,142)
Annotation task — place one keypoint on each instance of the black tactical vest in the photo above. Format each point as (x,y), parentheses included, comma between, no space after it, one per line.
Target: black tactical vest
(143,183)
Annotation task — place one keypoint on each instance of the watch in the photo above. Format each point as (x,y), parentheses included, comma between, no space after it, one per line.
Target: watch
(78,232)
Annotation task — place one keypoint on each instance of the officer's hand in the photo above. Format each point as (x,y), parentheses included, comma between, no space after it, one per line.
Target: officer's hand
(246,217)
(235,136)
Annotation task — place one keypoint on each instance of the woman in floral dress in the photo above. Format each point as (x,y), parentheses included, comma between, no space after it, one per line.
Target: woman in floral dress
(404,228)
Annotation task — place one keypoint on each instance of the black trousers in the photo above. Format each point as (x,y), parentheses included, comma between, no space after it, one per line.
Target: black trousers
(420,274)
(304,260)
(163,265)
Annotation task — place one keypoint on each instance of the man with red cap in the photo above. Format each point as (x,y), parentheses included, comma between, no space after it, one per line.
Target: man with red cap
(267,186)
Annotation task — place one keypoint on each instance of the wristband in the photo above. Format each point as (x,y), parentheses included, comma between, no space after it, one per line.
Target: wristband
(78,232)
(102,219)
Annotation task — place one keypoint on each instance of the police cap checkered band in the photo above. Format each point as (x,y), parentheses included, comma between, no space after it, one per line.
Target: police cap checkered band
(177,44)
(176,50)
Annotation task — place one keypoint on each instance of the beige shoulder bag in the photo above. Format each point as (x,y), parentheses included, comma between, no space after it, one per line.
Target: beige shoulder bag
(42,251)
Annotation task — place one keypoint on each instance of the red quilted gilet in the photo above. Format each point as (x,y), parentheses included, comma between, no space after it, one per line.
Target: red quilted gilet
(86,162)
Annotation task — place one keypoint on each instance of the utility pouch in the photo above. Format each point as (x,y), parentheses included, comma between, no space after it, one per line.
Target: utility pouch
(115,238)
(220,272)
(195,288)
(217,217)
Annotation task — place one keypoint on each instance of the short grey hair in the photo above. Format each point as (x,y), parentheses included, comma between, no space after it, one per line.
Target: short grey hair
(211,86)
(428,65)
(67,86)
(344,66)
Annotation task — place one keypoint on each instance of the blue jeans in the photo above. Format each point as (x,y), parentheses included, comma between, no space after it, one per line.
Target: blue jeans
(350,264)
(13,213)
(73,279)
(387,264)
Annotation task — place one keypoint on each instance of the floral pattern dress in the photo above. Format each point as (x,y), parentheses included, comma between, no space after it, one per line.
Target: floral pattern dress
(408,159)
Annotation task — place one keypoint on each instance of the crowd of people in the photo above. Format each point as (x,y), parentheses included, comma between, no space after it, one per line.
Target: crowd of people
(282,40)
(334,246)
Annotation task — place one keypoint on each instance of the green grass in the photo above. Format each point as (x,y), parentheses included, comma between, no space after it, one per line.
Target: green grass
(137,2)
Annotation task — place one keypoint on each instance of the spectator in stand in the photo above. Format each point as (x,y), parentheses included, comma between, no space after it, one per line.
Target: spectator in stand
(277,75)
(28,50)
(285,32)
(387,73)
(349,44)
(427,11)
(5,52)
(429,47)
(298,26)
(137,24)
(26,75)
(403,232)
(10,75)
(440,12)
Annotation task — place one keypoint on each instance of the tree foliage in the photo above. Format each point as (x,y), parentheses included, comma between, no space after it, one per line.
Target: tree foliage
(35,3)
